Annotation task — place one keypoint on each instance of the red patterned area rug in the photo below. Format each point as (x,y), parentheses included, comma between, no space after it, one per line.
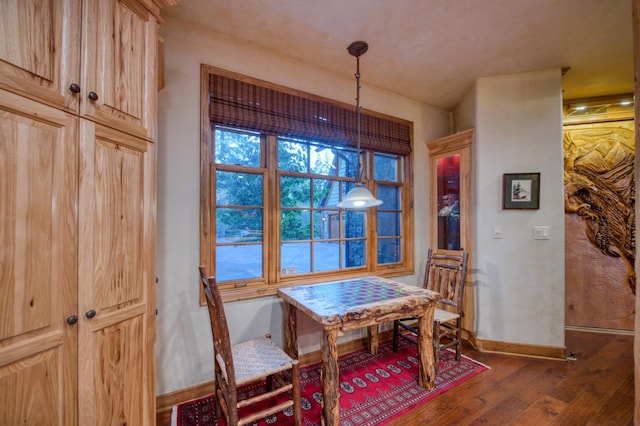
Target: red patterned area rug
(374,389)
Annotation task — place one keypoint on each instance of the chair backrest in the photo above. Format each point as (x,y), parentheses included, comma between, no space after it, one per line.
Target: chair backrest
(445,273)
(219,328)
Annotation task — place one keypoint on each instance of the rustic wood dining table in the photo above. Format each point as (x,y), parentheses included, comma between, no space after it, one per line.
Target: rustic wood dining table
(340,306)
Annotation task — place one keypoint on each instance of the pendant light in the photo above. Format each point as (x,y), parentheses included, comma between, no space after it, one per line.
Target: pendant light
(359,197)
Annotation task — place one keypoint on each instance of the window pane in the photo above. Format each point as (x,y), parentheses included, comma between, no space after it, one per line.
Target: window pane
(333,198)
(345,187)
(238,189)
(354,253)
(326,256)
(389,250)
(238,225)
(237,148)
(348,163)
(385,167)
(238,262)
(295,191)
(322,192)
(323,160)
(388,224)
(321,229)
(295,225)
(390,196)
(354,224)
(296,258)
(293,156)
(330,228)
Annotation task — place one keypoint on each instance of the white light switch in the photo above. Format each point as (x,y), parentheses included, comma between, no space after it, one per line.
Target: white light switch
(497,231)
(540,232)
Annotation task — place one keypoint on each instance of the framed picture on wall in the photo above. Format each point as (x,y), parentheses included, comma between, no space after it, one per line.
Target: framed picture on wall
(521,191)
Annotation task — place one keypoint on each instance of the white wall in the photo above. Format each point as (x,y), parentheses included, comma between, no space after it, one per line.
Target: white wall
(183,348)
(465,112)
(519,281)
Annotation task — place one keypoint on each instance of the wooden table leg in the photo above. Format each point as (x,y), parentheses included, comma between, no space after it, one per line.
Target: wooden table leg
(426,361)
(373,339)
(289,315)
(330,388)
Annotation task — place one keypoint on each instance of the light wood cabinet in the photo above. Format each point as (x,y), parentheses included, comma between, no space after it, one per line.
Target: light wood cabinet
(77,211)
(95,58)
(40,50)
(119,45)
(38,263)
(116,295)
(451,206)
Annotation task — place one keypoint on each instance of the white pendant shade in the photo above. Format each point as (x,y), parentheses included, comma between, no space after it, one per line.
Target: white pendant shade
(359,198)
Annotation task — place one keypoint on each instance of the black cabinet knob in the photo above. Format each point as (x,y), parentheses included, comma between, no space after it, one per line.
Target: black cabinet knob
(72,319)
(93,96)
(90,314)
(74,88)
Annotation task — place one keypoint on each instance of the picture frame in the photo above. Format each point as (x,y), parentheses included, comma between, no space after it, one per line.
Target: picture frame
(521,191)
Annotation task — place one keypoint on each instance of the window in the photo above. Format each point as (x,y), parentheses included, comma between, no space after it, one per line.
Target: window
(270,189)
(315,236)
(387,174)
(239,205)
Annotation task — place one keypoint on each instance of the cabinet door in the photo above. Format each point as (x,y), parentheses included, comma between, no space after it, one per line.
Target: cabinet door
(38,268)
(116,278)
(451,204)
(40,50)
(119,53)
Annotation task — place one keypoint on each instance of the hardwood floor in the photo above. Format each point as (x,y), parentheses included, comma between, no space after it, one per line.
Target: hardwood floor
(595,389)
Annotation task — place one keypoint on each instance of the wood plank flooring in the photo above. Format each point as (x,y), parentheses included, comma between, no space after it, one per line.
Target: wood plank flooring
(595,389)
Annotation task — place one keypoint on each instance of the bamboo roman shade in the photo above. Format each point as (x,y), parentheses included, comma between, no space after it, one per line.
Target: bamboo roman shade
(241,104)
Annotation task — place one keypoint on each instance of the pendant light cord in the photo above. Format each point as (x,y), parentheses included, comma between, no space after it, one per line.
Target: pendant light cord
(359,197)
(360,171)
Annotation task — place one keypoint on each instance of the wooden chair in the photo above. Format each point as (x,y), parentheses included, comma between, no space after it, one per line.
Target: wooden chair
(246,362)
(445,273)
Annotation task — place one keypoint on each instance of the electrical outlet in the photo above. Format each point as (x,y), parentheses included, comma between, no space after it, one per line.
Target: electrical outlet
(540,232)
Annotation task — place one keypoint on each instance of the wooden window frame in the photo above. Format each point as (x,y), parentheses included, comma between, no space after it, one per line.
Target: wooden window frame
(273,280)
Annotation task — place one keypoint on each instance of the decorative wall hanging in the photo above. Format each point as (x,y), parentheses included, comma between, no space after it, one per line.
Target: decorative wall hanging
(521,191)
(600,225)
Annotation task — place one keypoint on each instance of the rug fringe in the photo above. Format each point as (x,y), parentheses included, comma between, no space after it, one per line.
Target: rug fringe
(174,415)
(470,359)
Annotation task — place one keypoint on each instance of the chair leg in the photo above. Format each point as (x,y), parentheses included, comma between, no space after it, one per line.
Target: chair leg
(396,330)
(232,408)
(436,345)
(295,393)
(217,389)
(269,383)
(458,339)
(218,403)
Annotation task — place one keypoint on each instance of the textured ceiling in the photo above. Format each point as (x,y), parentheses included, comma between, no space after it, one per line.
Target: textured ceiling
(433,50)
